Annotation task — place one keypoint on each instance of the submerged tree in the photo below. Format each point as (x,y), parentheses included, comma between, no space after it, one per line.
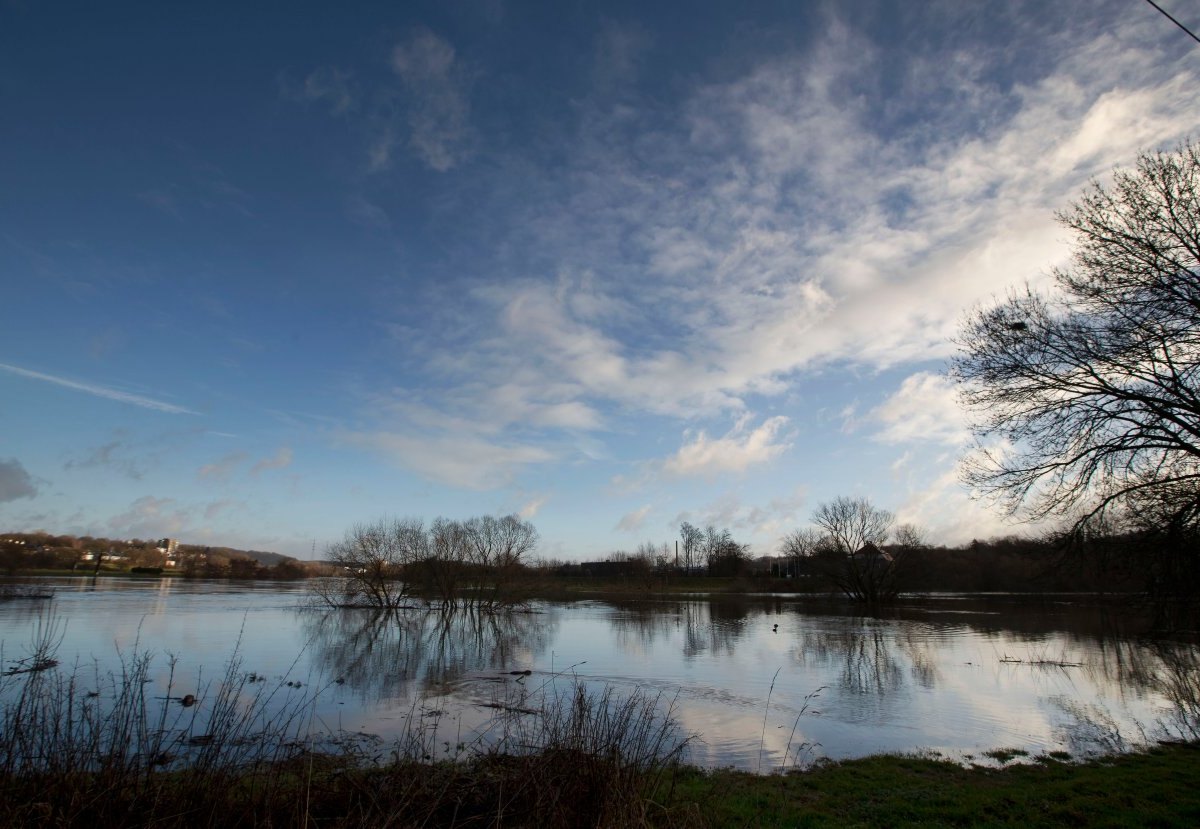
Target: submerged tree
(464,562)
(372,560)
(848,548)
(1086,399)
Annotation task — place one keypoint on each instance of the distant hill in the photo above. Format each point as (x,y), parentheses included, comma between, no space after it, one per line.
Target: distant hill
(269,559)
(261,556)
(43,549)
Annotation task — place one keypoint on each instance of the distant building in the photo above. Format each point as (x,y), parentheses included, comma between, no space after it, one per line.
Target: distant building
(872,554)
(111,555)
(168,546)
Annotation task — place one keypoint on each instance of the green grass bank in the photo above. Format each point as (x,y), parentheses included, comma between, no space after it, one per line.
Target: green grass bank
(1159,787)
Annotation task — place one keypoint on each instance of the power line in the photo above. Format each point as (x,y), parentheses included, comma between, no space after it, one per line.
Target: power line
(1173,20)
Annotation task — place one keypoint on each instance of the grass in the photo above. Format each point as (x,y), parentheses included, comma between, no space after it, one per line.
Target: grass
(1158,787)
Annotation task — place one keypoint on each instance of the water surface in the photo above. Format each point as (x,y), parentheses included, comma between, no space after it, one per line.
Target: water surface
(765,681)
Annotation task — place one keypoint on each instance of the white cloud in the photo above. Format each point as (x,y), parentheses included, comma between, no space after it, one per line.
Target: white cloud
(814,210)
(456,459)
(532,507)
(924,408)
(15,481)
(781,230)
(100,391)
(438,109)
(735,451)
(950,513)
(633,521)
(767,524)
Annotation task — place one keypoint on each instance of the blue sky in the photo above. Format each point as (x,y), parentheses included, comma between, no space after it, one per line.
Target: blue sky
(271,271)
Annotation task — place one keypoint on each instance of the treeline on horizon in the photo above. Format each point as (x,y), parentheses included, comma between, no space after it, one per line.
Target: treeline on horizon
(1009,563)
(47,551)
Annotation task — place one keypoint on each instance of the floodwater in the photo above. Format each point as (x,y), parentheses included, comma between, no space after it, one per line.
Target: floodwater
(763,682)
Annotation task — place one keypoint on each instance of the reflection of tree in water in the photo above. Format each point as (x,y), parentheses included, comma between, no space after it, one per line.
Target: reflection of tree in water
(381,654)
(862,653)
(1163,667)
(636,624)
(1168,670)
(918,649)
(705,626)
(1178,681)
(728,622)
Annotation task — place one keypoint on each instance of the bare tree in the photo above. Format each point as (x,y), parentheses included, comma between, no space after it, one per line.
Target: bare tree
(371,562)
(458,562)
(514,541)
(1093,390)
(647,551)
(664,560)
(849,524)
(798,545)
(691,538)
(801,543)
(476,561)
(908,537)
(445,565)
(853,533)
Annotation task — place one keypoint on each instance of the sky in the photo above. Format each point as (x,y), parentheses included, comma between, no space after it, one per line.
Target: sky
(271,270)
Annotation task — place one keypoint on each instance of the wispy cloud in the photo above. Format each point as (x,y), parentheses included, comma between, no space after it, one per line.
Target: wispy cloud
(163,199)
(681,259)
(214,509)
(771,520)
(280,460)
(114,455)
(775,224)
(367,213)
(326,84)
(633,521)
(438,109)
(459,460)
(532,507)
(618,52)
(15,481)
(150,517)
(99,391)
(221,470)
